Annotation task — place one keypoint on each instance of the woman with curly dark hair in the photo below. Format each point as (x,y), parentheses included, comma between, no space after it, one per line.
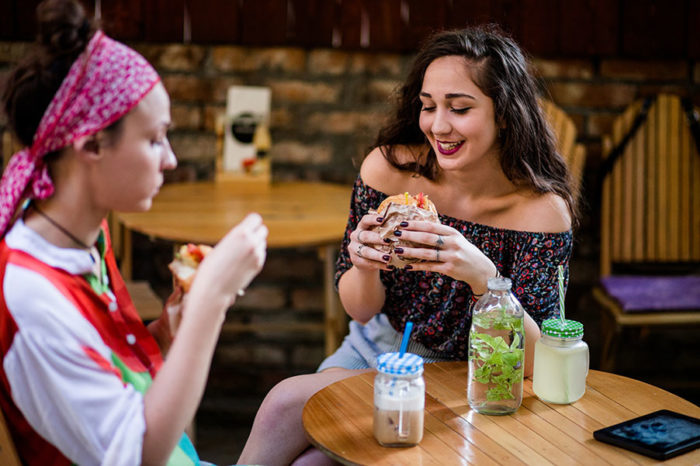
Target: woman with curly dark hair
(468,132)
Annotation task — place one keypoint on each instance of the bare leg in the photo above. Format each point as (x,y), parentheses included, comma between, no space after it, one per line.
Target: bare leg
(314,457)
(277,436)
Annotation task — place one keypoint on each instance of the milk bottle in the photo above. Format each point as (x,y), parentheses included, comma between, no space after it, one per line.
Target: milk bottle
(561,362)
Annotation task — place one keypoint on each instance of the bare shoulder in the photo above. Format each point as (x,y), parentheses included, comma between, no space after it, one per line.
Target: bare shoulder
(378,173)
(547,213)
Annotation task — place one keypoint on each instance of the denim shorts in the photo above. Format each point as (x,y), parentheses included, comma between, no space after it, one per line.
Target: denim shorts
(364,343)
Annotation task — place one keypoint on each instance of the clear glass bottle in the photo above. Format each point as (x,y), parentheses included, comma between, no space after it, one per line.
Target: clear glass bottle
(496,351)
(399,400)
(561,362)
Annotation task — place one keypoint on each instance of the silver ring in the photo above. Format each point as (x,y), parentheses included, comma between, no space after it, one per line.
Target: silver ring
(359,250)
(359,236)
(437,255)
(439,241)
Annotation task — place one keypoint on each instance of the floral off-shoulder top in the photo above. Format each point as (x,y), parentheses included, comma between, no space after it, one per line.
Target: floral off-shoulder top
(440,306)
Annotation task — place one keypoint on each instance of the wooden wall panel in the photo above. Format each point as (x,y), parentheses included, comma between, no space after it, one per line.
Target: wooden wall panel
(653,28)
(385,25)
(539,32)
(25,27)
(350,24)
(424,18)
(311,22)
(7,14)
(589,28)
(508,14)
(638,29)
(214,21)
(469,12)
(164,20)
(263,22)
(123,19)
(693,28)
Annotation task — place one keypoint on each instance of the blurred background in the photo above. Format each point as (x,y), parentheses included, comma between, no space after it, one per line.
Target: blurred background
(332,66)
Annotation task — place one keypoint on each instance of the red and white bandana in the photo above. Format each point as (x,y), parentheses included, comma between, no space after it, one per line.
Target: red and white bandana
(104,83)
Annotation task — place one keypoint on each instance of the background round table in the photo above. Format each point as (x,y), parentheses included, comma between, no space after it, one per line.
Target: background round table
(297,214)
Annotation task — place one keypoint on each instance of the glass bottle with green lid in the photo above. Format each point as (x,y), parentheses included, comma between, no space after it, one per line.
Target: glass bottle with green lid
(561,362)
(496,351)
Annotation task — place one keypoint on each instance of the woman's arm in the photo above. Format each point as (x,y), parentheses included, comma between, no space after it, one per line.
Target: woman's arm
(362,293)
(172,400)
(532,334)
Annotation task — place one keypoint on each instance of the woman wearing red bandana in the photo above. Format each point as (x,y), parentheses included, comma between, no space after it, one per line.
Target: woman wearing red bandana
(82,379)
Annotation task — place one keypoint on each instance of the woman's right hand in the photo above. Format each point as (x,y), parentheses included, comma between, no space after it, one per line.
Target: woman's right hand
(234,262)
(363,242)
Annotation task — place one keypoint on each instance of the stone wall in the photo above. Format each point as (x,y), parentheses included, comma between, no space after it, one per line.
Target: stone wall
(326,108)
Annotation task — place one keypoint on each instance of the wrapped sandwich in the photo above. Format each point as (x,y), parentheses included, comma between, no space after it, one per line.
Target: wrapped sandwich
(399,208)
(184,266)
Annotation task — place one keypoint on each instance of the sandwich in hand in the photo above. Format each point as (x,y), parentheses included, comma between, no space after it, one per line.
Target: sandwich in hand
(184,266)
(399,208)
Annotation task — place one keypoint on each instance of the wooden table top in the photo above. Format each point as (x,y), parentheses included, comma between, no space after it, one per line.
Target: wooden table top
(338,420)
(296,213)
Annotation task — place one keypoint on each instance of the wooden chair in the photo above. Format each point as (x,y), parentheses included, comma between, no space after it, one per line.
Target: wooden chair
(650,225)
(148,304)
(8,452)
(565,130)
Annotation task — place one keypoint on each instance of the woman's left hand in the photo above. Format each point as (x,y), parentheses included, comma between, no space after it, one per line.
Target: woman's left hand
(164,328)
(447,252)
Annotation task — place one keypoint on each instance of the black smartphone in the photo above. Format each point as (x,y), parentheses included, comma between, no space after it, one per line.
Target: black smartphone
(661,435)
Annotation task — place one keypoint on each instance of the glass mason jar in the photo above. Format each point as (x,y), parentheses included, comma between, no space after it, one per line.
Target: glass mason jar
(399,399)
(496,351)
(561,362)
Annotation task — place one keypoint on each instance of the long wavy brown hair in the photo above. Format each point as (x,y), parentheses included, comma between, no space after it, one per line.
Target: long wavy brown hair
(528,154)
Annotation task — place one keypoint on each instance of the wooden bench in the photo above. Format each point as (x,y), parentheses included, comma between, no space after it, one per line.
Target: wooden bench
(650,213)
(565,131)
(8,452)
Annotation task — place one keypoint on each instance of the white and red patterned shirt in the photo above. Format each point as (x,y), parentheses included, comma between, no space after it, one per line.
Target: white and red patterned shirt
(75,361)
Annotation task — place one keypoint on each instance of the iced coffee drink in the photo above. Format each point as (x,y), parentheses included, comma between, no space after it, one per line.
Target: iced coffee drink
(399,400)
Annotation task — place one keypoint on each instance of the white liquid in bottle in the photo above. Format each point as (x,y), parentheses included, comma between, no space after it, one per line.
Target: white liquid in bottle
(561,367)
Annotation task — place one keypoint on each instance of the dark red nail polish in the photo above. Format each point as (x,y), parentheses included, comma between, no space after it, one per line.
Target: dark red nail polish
(408,267)
(403,224)
(397,232)
(398,250)
(386,258)
(380,219)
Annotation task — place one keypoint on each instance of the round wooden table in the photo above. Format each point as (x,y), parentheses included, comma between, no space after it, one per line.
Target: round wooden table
(338,420)
(296,213)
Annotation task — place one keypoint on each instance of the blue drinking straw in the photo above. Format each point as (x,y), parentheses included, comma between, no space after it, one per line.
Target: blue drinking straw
(406,336)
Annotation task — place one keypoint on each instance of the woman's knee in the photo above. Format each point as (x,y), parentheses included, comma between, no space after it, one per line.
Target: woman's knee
(288,396)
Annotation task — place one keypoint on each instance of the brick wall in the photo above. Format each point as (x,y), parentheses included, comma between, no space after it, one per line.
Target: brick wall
(326,107)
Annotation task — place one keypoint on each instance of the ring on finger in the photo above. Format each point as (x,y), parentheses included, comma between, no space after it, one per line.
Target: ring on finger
(437,255)
(359,236)
(359,250)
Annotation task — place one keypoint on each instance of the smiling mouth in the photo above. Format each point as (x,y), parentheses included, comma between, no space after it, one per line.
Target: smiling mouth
(448,148)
